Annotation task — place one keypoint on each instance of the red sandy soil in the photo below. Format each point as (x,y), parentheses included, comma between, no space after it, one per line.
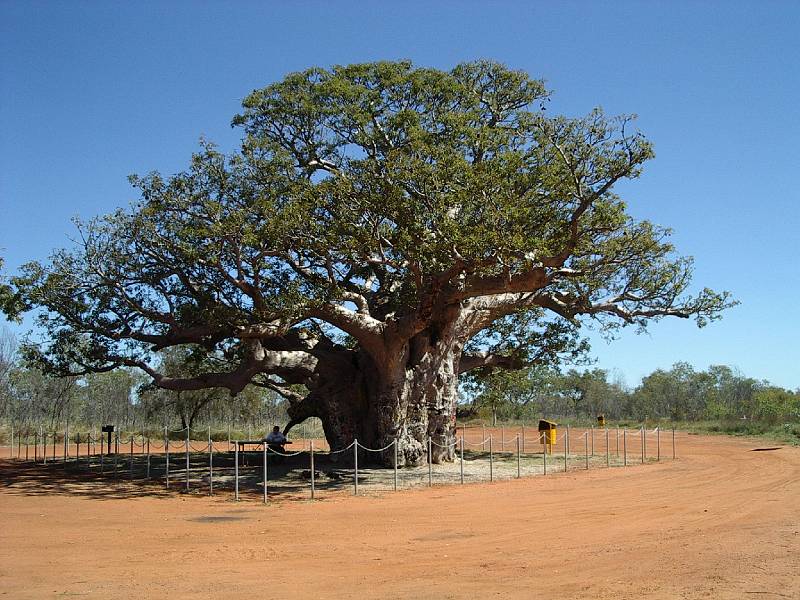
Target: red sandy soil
(720,522)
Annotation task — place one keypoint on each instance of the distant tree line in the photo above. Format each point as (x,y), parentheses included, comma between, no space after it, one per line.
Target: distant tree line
(126,398)
(680,393)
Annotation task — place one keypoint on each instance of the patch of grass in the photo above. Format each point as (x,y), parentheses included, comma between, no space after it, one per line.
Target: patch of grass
(786,433)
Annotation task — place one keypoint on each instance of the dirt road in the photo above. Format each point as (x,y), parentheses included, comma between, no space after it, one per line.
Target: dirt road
(720,522)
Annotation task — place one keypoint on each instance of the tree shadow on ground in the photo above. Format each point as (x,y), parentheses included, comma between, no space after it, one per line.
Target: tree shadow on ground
(289,477)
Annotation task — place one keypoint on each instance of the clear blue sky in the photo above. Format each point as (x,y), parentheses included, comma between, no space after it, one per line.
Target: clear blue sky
(93,91)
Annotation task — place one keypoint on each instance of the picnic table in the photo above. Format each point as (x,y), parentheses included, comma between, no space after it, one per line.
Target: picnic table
(244,443)
(256,444)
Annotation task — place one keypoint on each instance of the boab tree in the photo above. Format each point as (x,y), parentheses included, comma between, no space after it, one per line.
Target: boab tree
(382,229)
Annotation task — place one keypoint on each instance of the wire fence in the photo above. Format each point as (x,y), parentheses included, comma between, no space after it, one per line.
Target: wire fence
(250,468)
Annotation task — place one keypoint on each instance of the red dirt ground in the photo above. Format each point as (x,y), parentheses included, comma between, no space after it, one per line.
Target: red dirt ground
(720,522)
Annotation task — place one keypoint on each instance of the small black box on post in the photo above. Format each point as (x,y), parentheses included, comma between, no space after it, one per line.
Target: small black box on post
(108,429)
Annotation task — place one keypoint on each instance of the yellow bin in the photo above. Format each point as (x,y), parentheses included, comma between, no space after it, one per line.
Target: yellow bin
(547,434)
(601,420)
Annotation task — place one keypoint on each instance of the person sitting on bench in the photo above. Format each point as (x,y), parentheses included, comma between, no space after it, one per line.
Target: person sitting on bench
(276,440)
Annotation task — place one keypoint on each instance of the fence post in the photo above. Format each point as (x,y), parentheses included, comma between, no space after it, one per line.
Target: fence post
(166,460)
(210,463)
(395,464)
(264,449)
(658,443)
(673,443)
(147,471)
(491,460)
(608,455)
(131,465)
(523,437)
(566,449)
(236,472)
(592,441)
(355,467)
(644,435)
(188,430)
(311,450)
(462,458)
(66,444)
(519,467)
(116,454)
(430,462)
(12,441)
(102,457)
(586,447)
(617,441)
(544,458)
(625,447)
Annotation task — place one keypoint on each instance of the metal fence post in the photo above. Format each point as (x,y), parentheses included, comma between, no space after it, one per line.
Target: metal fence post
(395,464)
(430,462)
(66,445)
(166,459)
(673,443)
(311,451)
(264,449)
(210,463)
(131,465)
(116,454)
(102,457)
(658,443)
(592,441)
(491,460)
(236,472)
(566,449)
(355,467)
(617,441)
(586,448)
(12,442)
(608,456)
(544,458)
(187,458)
(644,436)
(519,466)
(462,458)
(147,468)
(625,447)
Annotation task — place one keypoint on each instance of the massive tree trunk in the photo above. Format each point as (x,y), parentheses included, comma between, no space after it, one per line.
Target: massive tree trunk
(409,396)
